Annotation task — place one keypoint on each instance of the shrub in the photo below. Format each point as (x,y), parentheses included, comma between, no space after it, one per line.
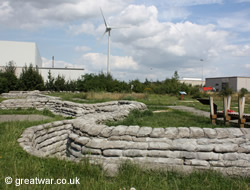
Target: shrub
(136,86)
(195,92)
(138,113)
(9,75)
(243,92)
(3,85)
(226,92)
(60,83)
(31,79)
(50,83)
(101,82)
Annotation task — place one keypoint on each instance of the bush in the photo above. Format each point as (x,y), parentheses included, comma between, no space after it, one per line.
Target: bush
(60,83)
(243,92)
(138,113)
(195,92)
(101,82)
(9,75)
(136,86)
(226,92)
(31,79)
(3,85)
(50,84)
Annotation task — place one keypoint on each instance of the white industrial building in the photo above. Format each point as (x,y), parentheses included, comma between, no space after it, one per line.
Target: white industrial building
(68,73)
(20,52)
(236,83)
(26,53)
(193,81)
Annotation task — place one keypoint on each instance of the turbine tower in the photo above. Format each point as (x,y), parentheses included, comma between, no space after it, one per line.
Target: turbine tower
(108,30)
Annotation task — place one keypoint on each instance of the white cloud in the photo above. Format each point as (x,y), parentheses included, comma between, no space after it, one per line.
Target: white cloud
(5,10)
(238,21)
(236,24)
(173,13)
(238,50)
(160,43)
(141,14)
(247,66)
(29,14)
(58,64)
(87,28)
(193,2)
(154,48)
(174,46)
(97,62)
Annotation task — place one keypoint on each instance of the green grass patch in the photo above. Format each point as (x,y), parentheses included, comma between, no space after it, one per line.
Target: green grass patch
(16,163)
(170,118)
(162,180)
(79,97)
(149,99)
(68,95)
(29,111)
(2,99)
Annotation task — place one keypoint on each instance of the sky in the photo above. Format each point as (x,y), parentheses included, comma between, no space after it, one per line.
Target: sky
(197,38)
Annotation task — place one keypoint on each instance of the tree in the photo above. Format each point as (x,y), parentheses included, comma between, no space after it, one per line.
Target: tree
(243,92)
(137,86)
(31,79)
(101,82)
(71,85)
(176,76)
(226,91)
(3,84)
(60,83)
(10,75)
(50,84)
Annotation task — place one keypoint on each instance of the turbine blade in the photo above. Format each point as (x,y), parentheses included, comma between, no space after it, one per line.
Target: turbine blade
(104,19)
(118,27)
(103,34)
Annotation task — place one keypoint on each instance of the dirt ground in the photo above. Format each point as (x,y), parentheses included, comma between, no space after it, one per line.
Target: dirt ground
(6,118)
(192,110)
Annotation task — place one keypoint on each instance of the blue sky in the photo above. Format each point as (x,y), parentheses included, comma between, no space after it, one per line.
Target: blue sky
(163,36)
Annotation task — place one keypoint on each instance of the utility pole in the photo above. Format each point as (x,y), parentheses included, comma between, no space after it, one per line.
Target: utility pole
(53,60)
(202,71)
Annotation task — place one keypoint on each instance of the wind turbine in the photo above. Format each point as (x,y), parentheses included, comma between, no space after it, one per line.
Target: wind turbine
(108,30)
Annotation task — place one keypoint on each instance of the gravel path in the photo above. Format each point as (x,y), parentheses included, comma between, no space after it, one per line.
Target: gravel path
(6,118)
(192,110)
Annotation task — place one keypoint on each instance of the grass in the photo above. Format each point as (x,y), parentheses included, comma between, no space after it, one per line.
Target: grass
(16,163)
(94,97)
(2,99)
(29,111)
(170,118)
(151,100)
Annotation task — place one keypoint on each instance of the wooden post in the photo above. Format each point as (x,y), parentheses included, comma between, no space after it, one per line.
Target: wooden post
(241,104)
(228,102)
(226,117)
(213,116)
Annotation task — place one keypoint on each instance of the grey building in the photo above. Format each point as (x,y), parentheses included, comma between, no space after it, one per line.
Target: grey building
(236,83)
